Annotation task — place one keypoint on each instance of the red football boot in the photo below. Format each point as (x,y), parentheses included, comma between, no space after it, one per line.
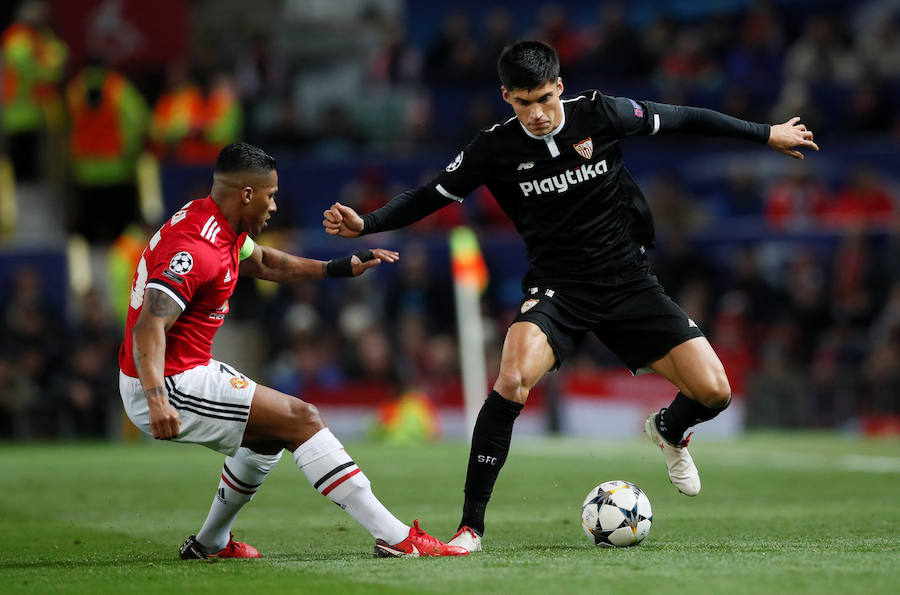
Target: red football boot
(417,543)
(191,550)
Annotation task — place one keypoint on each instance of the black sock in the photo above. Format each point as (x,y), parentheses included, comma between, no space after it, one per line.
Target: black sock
(490,445)
(683,413)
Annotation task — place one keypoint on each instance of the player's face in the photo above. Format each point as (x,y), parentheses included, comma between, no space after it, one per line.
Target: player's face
(538,109)
(262,203)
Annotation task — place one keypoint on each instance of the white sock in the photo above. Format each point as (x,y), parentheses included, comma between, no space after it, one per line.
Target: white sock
(327,466)
(242,475)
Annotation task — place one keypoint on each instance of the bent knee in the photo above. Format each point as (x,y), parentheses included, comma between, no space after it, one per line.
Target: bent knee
(305,414)
(715,393)
(512,387)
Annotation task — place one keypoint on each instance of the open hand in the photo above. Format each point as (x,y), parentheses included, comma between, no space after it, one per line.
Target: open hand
(786,138)
(341,220)
(381,255)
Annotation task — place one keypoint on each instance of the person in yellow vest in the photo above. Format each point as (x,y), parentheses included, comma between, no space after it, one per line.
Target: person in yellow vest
(410,419)
(108,119)
(193,121)
(32,59)
(122,260)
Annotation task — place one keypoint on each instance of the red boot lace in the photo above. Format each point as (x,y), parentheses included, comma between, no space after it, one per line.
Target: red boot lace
(425,537)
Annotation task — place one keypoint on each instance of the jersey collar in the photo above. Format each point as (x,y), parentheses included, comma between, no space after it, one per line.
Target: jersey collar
(549,137)
(550,134)
(227,232)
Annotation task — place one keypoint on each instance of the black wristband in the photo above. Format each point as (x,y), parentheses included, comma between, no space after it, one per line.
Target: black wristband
(342,267)
(364,255)
(339,267)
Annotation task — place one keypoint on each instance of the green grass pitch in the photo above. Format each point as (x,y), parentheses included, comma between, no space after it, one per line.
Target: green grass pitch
(808,513)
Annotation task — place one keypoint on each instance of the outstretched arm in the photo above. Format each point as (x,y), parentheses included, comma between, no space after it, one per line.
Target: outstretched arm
(274,265)
(785,138)
(402,210)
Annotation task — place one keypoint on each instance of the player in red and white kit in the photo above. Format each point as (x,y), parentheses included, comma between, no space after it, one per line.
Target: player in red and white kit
(173,389)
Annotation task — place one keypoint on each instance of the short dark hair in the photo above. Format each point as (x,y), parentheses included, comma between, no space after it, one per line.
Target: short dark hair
(243,157)
(527,65)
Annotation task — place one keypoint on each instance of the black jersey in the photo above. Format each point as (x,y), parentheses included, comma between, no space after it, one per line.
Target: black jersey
(582,216)
(568,193)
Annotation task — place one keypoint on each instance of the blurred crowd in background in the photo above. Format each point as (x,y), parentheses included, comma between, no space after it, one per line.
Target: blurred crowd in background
(791,268)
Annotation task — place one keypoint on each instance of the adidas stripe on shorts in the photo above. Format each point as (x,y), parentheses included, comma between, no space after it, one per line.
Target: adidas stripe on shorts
(212,400)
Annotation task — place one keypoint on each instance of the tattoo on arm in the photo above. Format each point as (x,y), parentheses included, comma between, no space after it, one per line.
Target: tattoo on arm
(283,266)
(162,306)
(156,391)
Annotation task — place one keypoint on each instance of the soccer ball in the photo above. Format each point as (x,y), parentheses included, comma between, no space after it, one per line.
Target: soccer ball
(616,514)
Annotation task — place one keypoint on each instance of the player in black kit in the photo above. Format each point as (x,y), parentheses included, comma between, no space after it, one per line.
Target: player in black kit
(556,170)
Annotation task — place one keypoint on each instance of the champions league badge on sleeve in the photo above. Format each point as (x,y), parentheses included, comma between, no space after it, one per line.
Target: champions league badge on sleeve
(454,165)
(181,263)
(638,110)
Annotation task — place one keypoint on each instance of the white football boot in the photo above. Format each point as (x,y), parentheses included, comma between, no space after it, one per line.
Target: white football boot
(466,538)
(682,471)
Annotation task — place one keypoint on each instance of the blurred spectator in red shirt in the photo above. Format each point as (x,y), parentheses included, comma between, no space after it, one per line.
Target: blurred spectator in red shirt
(854,272)
(733,345)
(864,200)
(687,62)
(556,29)
(797,201)
(368,191)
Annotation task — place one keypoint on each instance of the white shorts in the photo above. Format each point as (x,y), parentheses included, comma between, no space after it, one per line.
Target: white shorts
(212,400)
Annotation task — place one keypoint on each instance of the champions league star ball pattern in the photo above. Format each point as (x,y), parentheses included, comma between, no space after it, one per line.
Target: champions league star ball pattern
(181,263)
(616,514)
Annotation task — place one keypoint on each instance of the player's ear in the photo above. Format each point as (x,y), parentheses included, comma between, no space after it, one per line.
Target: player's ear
(246,194)
(505,94)
(559,85)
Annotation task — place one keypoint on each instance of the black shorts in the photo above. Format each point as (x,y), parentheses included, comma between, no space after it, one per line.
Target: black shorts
(636,320)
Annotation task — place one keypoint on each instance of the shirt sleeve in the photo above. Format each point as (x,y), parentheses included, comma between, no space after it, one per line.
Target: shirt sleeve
(181,267)
(404,209)
(698,120)
(629,118)
(469,170)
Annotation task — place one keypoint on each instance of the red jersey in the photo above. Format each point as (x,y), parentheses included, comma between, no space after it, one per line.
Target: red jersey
(194,259)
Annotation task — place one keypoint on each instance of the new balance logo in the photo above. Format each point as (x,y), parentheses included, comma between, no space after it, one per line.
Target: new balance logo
(525,165)
(691,323)
(227,276)
(210,229)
